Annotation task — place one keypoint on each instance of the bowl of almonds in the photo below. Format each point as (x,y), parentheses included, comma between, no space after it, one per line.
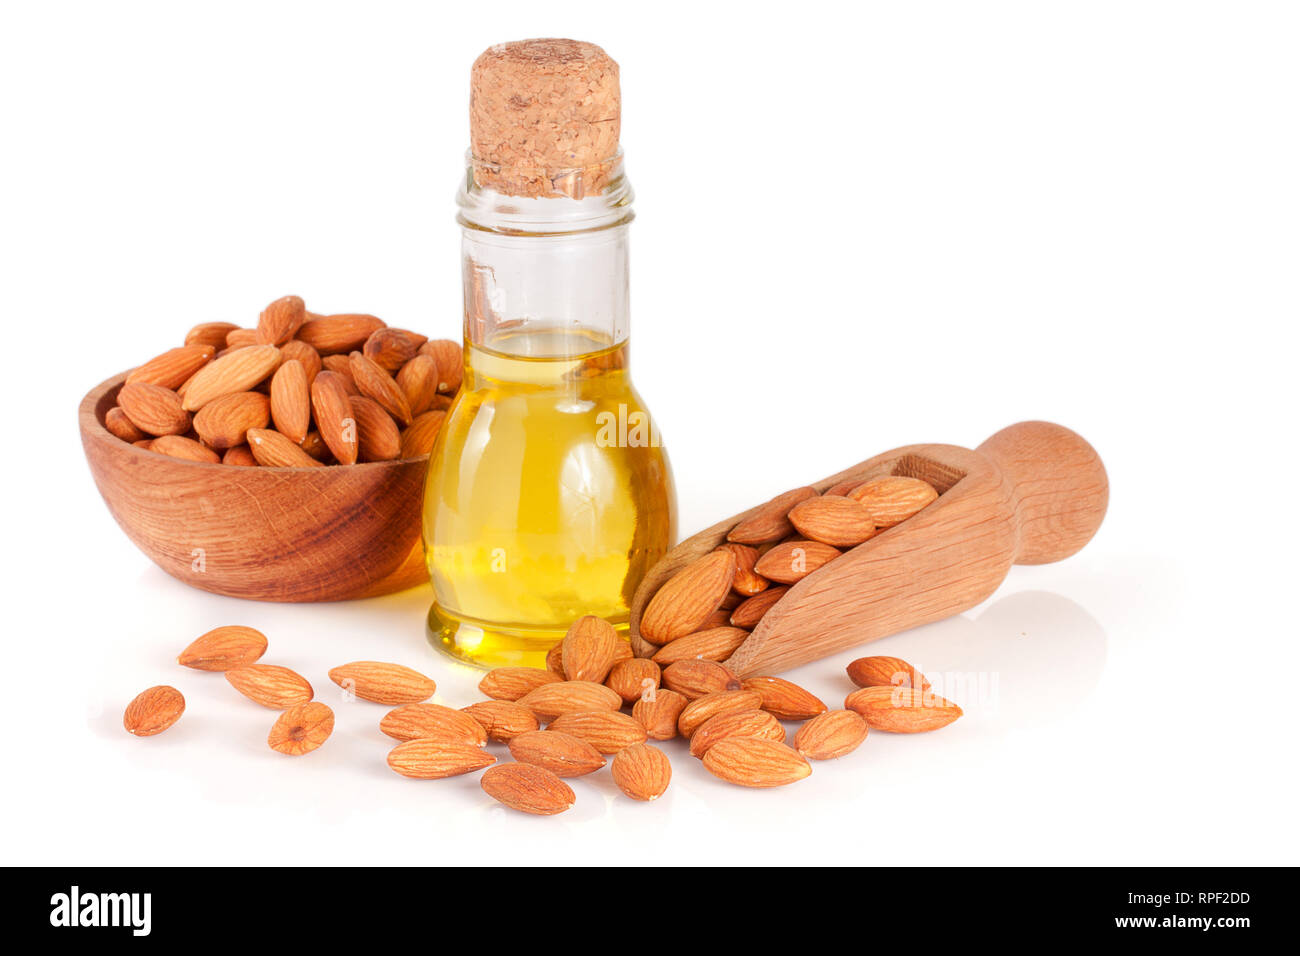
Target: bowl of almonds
(282,462)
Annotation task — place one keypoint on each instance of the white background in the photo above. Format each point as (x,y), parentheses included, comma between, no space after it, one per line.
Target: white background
(860,226)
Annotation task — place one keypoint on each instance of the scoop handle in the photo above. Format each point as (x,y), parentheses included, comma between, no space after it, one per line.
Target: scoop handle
(1058,485)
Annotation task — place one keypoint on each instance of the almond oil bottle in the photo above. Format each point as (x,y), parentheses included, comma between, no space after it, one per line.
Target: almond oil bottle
(549,493)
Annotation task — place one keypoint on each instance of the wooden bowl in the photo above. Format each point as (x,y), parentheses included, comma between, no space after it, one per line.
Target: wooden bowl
(267,534)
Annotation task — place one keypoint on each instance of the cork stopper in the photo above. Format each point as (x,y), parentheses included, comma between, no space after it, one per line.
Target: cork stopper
(544,118)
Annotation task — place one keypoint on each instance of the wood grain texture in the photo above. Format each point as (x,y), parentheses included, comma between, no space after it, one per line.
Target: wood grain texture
(267,534)
(1034,492)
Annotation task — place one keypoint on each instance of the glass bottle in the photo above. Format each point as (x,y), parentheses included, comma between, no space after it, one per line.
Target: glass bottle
(549,493)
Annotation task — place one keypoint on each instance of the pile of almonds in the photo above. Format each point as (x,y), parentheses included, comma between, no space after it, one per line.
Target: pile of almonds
(593,701)
(299,390)
(708,608)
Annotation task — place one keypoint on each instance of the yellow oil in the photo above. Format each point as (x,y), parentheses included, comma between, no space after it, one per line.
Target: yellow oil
(549,496)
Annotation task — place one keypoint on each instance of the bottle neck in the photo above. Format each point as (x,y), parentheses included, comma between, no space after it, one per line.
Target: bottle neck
(546,264)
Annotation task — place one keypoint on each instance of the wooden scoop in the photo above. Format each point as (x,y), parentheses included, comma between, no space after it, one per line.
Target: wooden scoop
(1033,493)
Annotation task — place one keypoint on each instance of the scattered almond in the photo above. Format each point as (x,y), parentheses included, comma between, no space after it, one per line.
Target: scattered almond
(224,422)
(154,710)
(658,713)
(755,762)
(383,683)
(291,400)
(331,334)
(588,649)
(377,436)
(830,735)
(178,446)
(569,697)
(224,648)
(642,772)
(301,729)
(171,369)
(333,413)
(700,710)
(236,371)
(390,348)
(270,685)
(885,672)
(419,436)
(750,612)
(527,788)
(418,380)
(433,722)
(632,679)
(746,582)
(562,754)
(511,683)
(792,561)
(120,426)
(273,450)
(736,723)
(375,383)
(153,409)
(902,710)
(694,679)
(281,320)
(502,719)
(785,700)
(710,644)
(841,522)
(606,730)
(434,759)
(450,357)
(210,333)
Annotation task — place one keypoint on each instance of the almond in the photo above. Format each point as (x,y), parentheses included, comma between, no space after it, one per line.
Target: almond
(686,600)
(504,720)
(885,672)
(606,730)
(785,700)
(527,788)
(433,722)
(331,334)
(587,651)
(769,521)
(569,697)
(153,409)
(642,772)
(434,759)
(273,450)
(511,683)
(711,644)
(383,683)
(633,679)
(792,561)
(694,679)
(555,659)
(841,522)
(702,709)
(301,729)
(120,426)
(236,371)
(240,339)
(418,380)
(240,455)
(340,366)
(178,446)
(842,488)
(419,436)
(894,498)
(334,421)
(750,612)
(736,723)
(153,711)
(281,320)
(373,382)
(390,348)
(902,710)
(210,333)
(224,648)
(450,357)
(658,713)
(316,448)
(173,367)
(270,685)
(755,762)
(830,735)
(746,582)
(562,754)
(304,355)
(377,436)
(224,422)
(291,401)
